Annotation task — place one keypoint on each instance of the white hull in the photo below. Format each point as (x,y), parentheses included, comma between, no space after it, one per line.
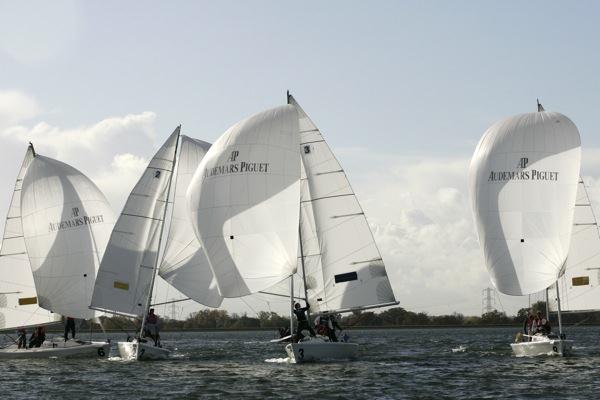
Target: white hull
(542,346)
(58,349)
(313,350)
(135,350)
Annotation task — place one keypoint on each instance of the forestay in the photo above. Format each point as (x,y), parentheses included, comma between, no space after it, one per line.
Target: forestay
(523,184)
(580,283)
(18,298)
(344,269)
(127,269)
(66,224)
(184,264)
(244,199)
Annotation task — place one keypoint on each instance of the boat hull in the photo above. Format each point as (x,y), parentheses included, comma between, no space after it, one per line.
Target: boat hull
(312,351)
(139,351)
(69,349)
(558,347)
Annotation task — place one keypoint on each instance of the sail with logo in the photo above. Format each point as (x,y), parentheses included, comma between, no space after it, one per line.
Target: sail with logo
(336,265)
(18,297)
(523,184)
(579,286)
(244,200)
(66,222)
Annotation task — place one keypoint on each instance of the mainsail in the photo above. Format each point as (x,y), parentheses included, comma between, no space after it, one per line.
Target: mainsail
(343,268)
(184,264)
(244,202)
(66,225)
(579,285)
(128,268)
(18,297)
(523,184)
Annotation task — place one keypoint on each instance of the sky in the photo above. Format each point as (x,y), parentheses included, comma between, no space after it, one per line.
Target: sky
(402,91)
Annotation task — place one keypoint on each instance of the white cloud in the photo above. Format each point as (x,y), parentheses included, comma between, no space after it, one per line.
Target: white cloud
(112,152)
(16,106)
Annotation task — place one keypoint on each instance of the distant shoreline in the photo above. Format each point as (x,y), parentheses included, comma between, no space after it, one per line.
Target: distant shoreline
(399,327)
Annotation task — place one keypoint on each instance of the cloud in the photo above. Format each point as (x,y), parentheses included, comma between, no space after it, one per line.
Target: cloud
(420,214)
(112,152)
(16,106)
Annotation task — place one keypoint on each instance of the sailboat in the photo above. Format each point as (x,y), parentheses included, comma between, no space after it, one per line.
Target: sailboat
(57,229)
(270,203)
(580,283)
(126,279)
(523,181)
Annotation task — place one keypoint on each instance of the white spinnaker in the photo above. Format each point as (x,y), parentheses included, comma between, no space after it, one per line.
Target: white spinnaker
(66,225)
(125,277)
(243,201)
(184,264)
(579,287)
(523,183)
(343,267)
(18,298)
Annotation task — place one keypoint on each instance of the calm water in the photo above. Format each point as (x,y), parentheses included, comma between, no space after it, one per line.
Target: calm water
(410,363)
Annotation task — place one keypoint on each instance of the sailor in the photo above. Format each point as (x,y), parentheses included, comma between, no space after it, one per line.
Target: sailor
(303,324)
(37,337)
(528,325)
(537,323)
(333,325)
(21,338)
(545,327)
(69,327)
(322,325)
(151,327)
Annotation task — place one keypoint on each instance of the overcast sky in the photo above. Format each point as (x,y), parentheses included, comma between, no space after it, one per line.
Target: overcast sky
(402,91)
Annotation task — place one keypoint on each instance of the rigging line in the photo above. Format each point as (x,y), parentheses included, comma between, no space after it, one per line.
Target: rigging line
(142,216)
(327,197)
(314,141)
(249,306)
(11,338)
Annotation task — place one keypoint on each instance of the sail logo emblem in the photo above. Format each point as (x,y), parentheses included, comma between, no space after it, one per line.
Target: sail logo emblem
(75,221)
(523,163)
(232,166)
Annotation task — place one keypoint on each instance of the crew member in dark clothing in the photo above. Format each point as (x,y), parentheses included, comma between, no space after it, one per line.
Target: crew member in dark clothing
(302,321)
(333,325)
(69,327)
(21,338)
(37,337)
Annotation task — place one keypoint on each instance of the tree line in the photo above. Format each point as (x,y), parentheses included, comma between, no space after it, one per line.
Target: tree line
(393,317)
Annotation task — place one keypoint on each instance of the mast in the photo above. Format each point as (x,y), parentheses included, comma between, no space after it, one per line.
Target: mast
(291,306)
(32,149)
(300,240)
(560,333)
(162,227)
(547,306)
